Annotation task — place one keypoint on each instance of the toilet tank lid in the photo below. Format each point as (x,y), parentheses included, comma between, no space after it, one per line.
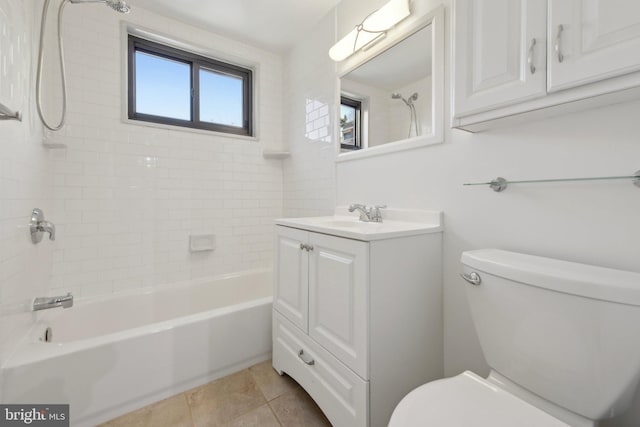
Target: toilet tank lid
(585,280)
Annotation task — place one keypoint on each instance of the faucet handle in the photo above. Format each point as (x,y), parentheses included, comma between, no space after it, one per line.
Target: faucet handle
(38,226)
(376,215)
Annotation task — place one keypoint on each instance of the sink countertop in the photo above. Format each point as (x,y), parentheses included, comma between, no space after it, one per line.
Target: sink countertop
(396,223)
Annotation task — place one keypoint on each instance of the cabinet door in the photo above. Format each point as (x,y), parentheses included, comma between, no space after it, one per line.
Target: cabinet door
(291,271)
(338,302)
(499,53)
(592,40)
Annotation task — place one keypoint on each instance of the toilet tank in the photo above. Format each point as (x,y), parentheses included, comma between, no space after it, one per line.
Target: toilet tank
(567,332)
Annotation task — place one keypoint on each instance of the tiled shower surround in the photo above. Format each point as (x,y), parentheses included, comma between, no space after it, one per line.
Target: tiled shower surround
(126,195)
(24,172)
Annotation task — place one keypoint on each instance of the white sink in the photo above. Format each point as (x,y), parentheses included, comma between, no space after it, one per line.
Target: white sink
(395,223)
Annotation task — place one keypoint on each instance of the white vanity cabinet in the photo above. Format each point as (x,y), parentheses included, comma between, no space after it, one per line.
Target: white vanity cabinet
(357,322)
(322,289)
(499,53)
(592,40)
(542,56)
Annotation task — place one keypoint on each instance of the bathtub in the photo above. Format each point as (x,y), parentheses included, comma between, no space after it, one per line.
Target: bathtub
(115,354)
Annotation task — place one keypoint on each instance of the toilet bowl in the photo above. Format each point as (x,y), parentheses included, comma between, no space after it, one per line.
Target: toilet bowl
(468,400)
(553,333)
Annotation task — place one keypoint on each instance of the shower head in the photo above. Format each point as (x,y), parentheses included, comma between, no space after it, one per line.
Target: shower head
(117,5)
(396,95)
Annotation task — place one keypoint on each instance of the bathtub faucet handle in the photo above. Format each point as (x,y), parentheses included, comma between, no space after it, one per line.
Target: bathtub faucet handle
(38,226)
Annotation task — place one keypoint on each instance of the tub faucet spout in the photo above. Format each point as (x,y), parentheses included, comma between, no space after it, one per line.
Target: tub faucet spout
(43,303)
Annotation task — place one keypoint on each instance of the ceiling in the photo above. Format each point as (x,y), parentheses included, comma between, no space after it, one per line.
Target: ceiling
(271,24)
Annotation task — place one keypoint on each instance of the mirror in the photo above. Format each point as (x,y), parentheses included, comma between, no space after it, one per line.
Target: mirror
(391,97)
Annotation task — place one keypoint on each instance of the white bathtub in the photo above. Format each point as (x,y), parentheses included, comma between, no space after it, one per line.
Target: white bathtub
(112,355)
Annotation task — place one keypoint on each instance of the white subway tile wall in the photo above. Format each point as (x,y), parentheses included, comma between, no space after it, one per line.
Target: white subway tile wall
(127,196)
(24,267)
(309,174)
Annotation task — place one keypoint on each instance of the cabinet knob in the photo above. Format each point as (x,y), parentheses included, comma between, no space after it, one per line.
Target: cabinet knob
(556,45)
(309,247)
(308,362)
(303,246)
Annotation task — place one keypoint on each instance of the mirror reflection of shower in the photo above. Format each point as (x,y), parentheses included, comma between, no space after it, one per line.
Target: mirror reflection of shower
(413,124)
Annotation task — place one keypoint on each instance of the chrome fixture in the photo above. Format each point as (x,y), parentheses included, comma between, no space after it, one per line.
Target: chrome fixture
(412,108)
(38,226)
(473,278)
(120,6)
(308,362)
(368,213)
(500,184)
(117,5)
(305,247)
(372,29)
(43,303)
(530,60)
(556,44)
(7,114)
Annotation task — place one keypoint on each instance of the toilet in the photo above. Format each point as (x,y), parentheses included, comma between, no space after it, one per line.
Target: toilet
(560,338)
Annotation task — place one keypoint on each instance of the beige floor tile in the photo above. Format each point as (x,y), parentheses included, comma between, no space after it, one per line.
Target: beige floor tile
(297,409)
(171,412)
(261,417)
(271,384)
(225,399)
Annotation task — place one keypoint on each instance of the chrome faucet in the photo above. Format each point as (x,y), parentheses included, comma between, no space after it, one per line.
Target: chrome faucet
(43,303)
(38,226)
(368,213)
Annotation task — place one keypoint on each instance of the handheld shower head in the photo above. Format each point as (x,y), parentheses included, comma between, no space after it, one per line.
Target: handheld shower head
(396,95)
(120,6)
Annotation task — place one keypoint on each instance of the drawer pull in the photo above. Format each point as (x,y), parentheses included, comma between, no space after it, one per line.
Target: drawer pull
(556,45)
(308,362)
(530,59)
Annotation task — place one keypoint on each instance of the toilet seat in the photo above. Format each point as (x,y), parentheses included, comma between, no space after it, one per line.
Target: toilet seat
(467,400)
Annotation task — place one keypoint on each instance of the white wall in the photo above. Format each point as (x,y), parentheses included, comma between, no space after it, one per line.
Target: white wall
(127,196)
(24,267)
(593,222)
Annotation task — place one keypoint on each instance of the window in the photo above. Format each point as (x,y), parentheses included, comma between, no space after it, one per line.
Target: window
(350,123)
(175,87)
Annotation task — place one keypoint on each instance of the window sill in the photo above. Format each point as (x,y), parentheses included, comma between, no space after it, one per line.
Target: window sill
(212,133)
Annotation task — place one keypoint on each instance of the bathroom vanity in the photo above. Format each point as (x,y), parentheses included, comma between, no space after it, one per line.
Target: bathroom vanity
(357,315)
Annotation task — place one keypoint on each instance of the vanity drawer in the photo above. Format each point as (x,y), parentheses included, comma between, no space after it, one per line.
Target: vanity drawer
(341,394)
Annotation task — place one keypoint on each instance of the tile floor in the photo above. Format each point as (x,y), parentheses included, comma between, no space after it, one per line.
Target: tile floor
(257,396)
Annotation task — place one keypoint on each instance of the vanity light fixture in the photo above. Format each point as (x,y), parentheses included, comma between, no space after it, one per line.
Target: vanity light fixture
(372,28)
